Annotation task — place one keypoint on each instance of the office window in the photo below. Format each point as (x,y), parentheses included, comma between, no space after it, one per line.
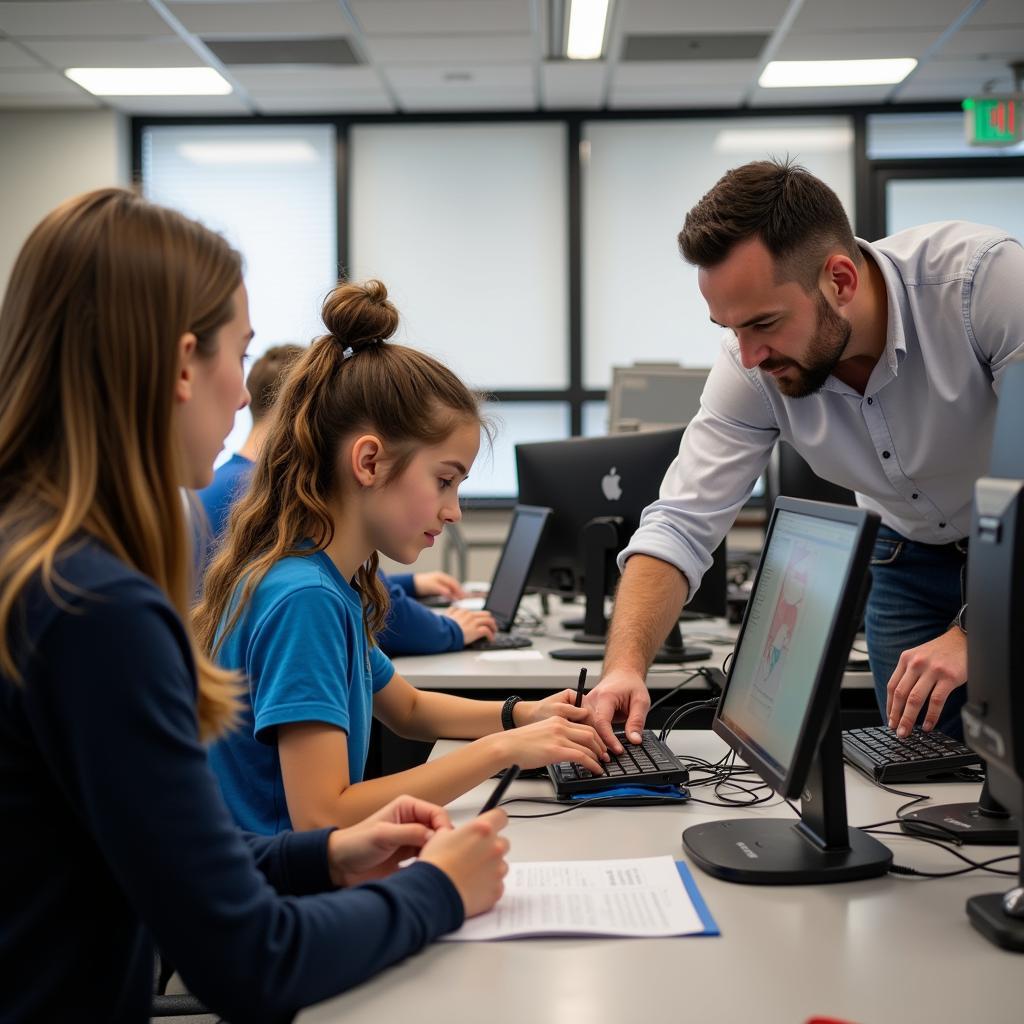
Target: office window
(921,136)
(271,190)
(494,473)
(640,300)
(467,226)
(995,201)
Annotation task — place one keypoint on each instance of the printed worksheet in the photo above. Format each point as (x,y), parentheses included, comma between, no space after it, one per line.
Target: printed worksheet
(640,897)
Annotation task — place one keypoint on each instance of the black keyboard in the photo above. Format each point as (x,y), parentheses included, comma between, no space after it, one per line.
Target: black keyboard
(650,763)
(501,642)
(921,757)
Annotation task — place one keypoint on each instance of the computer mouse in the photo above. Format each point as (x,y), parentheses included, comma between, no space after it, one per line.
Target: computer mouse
(1013,903)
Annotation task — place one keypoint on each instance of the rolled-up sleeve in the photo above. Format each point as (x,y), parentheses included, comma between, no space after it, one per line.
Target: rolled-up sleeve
(724,450)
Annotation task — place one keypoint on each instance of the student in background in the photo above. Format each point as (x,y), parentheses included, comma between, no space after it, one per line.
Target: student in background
(365,453)
(123,330)
(410,628)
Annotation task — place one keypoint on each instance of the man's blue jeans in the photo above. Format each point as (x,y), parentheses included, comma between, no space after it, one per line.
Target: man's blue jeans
(916,591)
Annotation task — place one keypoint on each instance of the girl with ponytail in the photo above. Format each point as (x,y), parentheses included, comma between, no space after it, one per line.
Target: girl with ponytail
(369,443)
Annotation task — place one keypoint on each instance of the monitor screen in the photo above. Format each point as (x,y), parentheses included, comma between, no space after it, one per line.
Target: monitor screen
(654,396)
(790,619)
(517,556)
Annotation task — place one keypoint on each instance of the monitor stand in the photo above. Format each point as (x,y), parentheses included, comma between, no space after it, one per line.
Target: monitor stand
(986,822)
(819,848)
(1000,916)
(602,540)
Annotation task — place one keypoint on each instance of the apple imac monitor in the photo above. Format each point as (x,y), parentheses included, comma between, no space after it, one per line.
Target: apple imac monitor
(780,707)
(598,488)
(654,396)
(789,476)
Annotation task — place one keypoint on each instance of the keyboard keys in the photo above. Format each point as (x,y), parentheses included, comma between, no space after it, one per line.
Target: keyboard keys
(915,758)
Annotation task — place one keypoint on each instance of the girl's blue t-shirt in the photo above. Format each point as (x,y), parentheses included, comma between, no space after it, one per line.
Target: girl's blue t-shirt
(306,658)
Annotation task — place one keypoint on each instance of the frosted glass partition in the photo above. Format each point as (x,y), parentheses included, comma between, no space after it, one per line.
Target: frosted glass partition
(467,226)
(910,136)
(271,191)
(595,419)
(493,475)
(640,300)
(995,201)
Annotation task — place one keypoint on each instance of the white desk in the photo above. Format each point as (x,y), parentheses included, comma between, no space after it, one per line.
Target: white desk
(522,671)
(886,950)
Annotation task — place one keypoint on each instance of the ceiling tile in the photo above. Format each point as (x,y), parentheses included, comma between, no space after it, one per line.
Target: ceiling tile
(1007,42)
(680,96)
(324,103)
(818,96)
(998,12)
(42,82)
(12,56)
(573,85)
(705,72)
(251,20)
(311,79)
(423,100)
(720,16)
(442,17)
(465,77)
(154,52)
(871,15)
(448,49)
(199,105)
(853,45)
(88,18)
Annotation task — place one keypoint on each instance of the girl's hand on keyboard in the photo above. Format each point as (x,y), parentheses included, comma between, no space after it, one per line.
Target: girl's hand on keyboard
(550,741)
(474,625)
(558,705)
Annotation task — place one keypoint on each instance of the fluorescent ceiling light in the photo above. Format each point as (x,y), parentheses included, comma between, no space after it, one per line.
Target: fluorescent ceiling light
(780,140)
(587,21)
(802,74)
(278,151)
(150,81)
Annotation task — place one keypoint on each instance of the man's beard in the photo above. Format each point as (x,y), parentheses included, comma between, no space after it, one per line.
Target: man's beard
(831,333)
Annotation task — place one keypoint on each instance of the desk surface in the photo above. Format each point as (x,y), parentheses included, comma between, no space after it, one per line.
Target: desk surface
(532,669)
(886,950)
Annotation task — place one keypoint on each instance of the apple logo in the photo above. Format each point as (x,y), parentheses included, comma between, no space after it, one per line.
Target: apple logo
(611,486)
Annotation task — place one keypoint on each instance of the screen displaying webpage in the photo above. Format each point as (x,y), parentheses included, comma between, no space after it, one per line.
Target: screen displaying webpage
(791,615)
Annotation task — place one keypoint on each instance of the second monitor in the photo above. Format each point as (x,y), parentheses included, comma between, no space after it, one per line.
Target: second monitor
(598,488)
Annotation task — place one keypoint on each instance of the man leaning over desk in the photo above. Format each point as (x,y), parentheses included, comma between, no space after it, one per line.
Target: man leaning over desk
(880,363)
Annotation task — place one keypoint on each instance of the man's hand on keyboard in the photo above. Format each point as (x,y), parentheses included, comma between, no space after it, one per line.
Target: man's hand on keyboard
(929,673)
(621,694)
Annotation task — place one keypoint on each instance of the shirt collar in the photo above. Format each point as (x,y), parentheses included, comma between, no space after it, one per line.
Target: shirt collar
(899,318)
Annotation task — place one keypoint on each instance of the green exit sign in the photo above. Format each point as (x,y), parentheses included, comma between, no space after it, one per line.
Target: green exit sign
(992,120)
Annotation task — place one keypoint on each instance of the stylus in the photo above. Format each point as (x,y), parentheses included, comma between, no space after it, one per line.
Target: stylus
(509,776)
(579,687)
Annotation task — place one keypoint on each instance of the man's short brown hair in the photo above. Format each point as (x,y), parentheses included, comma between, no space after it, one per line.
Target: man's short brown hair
(266,377)
(796,215)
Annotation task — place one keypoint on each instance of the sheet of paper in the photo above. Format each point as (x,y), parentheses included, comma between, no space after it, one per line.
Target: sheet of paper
(638,897)
(511,655)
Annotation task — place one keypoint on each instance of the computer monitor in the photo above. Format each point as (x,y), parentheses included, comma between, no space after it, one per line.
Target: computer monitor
(598,488)
(654,396)
(513,569)
(789,476)
(780,707)
(994,713)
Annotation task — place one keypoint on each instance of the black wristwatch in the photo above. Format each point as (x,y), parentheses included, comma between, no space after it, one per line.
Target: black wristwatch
(507,721)
(960,621)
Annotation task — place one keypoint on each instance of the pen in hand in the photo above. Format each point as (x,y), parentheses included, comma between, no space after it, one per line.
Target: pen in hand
(579,688)
(509,776)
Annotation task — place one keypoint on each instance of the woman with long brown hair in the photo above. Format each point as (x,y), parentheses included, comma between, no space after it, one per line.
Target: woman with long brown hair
(122,334)
(368,446)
